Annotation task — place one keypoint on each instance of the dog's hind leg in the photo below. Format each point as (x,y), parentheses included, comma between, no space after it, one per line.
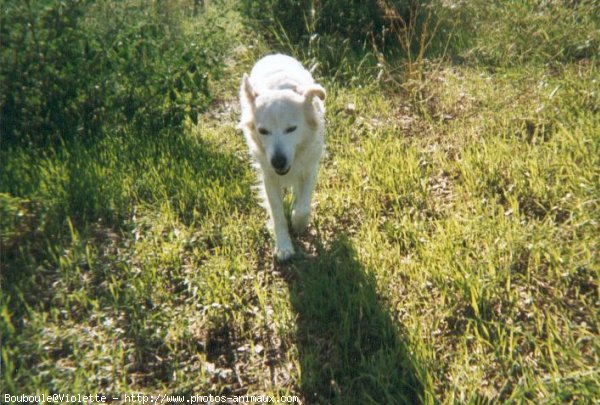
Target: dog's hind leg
(302,196)
(284,249)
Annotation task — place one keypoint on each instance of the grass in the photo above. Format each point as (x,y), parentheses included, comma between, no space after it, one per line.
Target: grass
(452,257)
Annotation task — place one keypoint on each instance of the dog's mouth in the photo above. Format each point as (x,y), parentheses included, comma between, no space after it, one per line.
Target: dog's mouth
(283,172)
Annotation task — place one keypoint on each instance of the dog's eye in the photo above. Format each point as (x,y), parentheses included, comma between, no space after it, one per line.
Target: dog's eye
(290,129)
(263,131)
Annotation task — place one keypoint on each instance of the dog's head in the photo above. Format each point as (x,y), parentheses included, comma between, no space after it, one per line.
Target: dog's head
(280,120)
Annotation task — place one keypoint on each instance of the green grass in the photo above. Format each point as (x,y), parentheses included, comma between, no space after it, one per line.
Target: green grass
(452,257)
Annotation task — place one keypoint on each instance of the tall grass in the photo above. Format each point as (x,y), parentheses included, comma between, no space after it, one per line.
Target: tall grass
(350,40)
(538,32)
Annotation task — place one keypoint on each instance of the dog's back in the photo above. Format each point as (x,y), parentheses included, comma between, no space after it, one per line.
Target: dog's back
(278,72)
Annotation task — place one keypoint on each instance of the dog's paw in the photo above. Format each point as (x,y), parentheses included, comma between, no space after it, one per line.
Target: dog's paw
(300,221)
(284,254)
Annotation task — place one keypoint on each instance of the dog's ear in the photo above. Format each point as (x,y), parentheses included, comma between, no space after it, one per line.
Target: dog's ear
(310,109)
(247,91)
(313,91)
(247,101)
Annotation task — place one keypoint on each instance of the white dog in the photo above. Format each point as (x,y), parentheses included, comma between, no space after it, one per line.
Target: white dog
(283,122)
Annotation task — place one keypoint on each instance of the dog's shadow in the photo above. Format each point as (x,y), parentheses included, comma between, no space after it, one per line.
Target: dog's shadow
(350,350)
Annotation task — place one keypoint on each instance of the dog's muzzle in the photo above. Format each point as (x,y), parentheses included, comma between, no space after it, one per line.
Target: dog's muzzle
(280,164)
(282,172)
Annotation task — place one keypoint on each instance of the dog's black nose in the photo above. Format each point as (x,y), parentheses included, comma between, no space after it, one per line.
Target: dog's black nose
(279,162)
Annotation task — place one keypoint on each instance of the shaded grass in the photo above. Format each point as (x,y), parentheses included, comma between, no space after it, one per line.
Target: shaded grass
(349,348)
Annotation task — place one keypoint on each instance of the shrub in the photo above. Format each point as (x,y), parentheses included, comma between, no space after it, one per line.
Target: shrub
(347,36)
(76,68)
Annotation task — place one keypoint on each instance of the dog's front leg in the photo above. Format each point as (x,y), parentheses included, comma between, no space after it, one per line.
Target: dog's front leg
(284,249)
(302,196)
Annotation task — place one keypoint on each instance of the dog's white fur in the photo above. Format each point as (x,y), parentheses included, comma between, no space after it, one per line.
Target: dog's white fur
(283,122)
